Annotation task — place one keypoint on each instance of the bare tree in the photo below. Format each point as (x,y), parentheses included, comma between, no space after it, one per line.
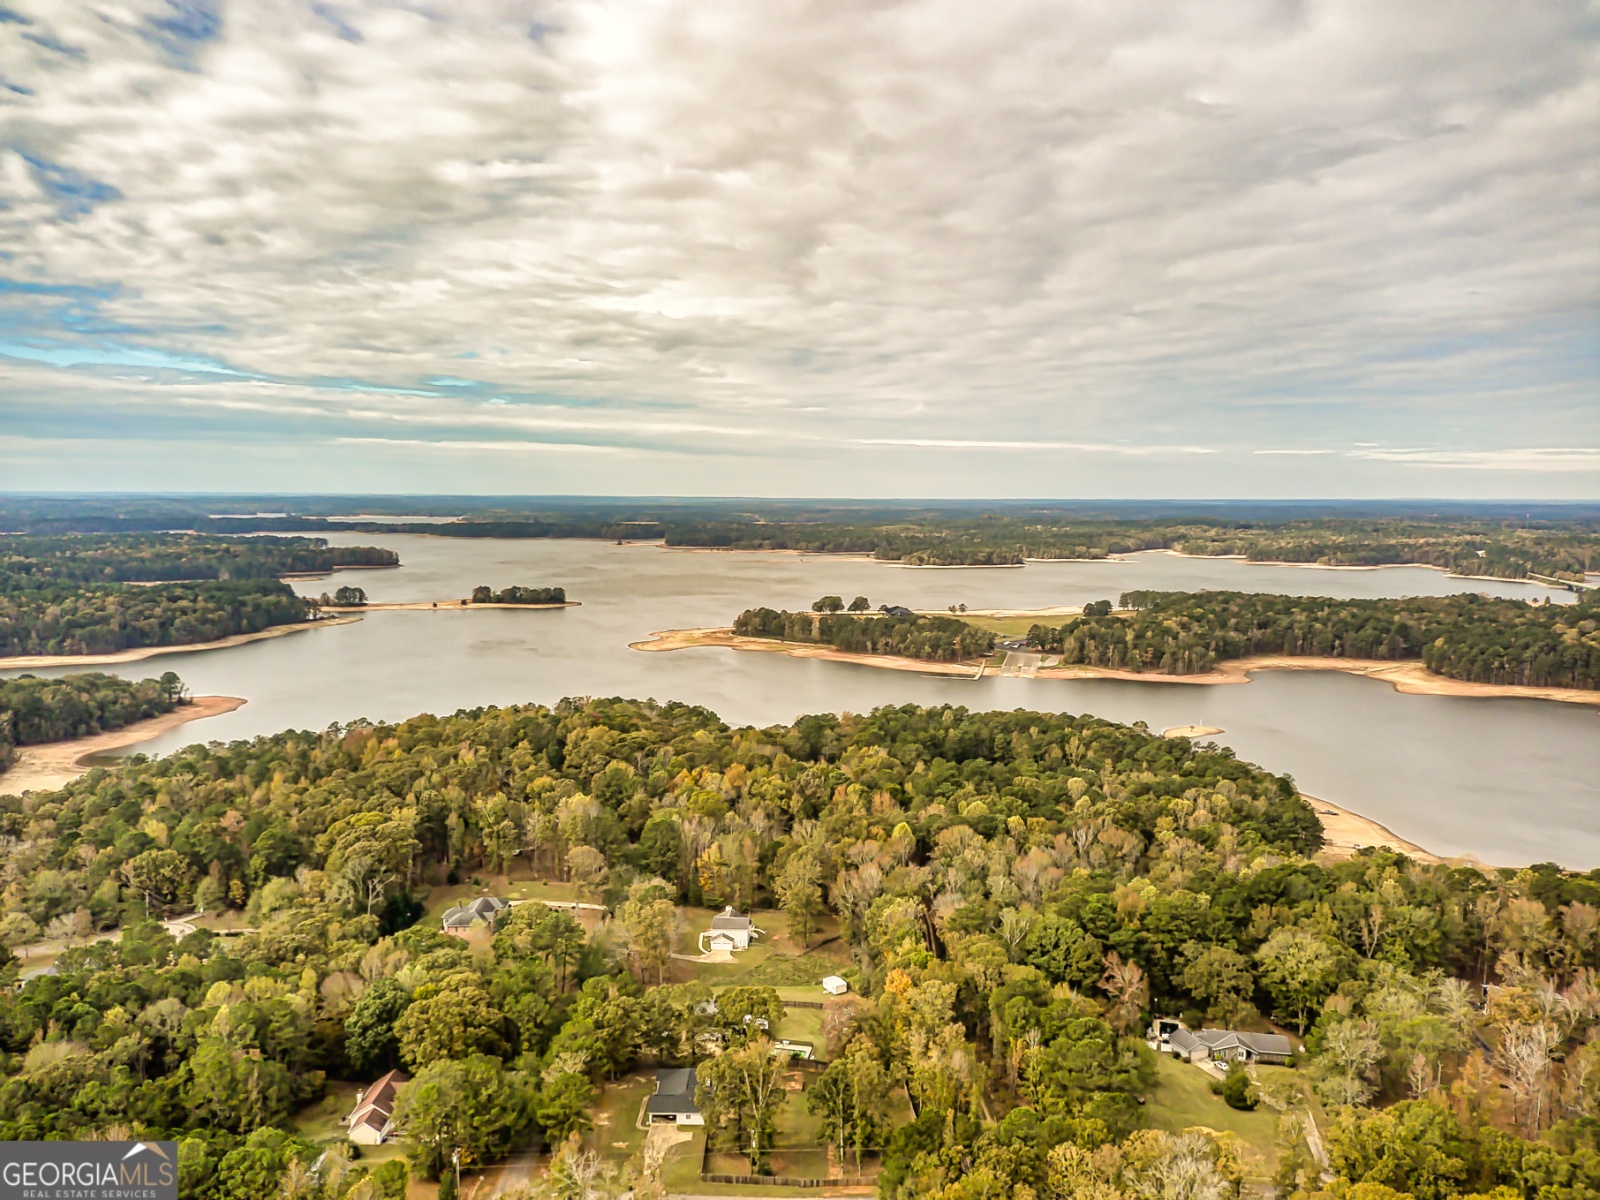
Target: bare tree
(1524,1055)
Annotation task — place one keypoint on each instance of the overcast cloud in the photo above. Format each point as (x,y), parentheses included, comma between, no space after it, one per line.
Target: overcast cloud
(1048,249)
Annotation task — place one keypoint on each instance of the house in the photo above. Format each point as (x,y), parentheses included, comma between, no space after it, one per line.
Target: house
(483,911)
(1221,1045)
(371,1121)
(835,986)
(729,931)
(674,1097)
(895,610)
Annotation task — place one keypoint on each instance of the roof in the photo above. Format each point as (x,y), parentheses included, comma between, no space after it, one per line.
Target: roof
(827,980)
(1228,1039)
(675,1088)
(377,1102)
(728,919)
(483,908)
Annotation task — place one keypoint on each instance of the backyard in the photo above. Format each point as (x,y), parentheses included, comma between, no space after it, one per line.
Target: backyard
(1182,1099)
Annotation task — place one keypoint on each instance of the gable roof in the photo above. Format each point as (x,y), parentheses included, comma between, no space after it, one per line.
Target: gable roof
(728,919)
(675,1088)
(376,1105)
(1228,1039)
(484,908)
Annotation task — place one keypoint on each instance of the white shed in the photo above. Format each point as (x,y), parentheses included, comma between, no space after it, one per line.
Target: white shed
(835,986)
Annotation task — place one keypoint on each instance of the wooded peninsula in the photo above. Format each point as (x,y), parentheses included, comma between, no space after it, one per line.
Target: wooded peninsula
(1019,895)
(80,595)
(34,710)
(1469,637)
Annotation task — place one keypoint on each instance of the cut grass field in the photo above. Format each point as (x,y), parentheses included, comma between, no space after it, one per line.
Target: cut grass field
(1182,1099)
(616,1134)
(322,1120)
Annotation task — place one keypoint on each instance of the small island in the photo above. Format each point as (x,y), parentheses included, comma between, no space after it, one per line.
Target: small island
(520,597)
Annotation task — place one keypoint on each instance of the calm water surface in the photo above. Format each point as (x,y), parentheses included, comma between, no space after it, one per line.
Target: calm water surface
(1511,781)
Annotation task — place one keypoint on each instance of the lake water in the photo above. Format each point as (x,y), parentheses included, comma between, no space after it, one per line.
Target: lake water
(1511,781)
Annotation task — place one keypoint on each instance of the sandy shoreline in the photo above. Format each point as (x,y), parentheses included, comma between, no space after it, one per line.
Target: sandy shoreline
(56,764)
(436,606)
(1410,677)
(684,639)
(1345,832)
(22,662)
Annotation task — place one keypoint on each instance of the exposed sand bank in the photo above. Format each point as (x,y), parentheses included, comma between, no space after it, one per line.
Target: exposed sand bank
(1410,677)
(22,662)
(684,639)
(1346,832)
(436,606)
(1192,731)
(56,764)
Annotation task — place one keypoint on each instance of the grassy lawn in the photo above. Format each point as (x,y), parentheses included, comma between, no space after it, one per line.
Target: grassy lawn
(320,1120)
(616,1134)
(802,1025)
(1182,1099)
(1008,627)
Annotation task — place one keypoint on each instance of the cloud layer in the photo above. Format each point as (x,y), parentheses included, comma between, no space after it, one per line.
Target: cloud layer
(1122,248)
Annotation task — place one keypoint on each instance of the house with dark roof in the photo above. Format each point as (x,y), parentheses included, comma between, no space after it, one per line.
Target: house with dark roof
(729,931)
(1227,1045)
(461,920)
(674,1097)
(371,1121)
(895,610)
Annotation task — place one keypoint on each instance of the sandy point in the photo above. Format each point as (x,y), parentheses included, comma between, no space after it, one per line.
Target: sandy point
(56,764)
(1192,731)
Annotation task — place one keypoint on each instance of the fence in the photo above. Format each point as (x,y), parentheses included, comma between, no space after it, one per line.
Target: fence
(764,1180)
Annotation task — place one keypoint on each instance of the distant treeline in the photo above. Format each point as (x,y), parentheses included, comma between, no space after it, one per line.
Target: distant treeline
(939,639)
(80,618)
(34,710)
(483,594)
(173,557)
(1498,549)
(1468,637)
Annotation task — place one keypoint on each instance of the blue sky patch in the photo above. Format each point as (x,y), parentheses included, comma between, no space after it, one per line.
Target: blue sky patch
(74,192)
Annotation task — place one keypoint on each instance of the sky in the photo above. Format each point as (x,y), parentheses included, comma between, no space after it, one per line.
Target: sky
(1110,248)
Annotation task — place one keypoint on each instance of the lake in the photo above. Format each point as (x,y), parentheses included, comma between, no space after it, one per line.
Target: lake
(1510,781)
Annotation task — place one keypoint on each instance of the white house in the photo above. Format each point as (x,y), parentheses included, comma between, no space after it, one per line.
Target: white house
(674,1097)
(729,931)
(835,986)
(371,1121)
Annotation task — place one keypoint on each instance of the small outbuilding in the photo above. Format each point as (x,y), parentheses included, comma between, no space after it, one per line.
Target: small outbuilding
(674,1097)
(835,986)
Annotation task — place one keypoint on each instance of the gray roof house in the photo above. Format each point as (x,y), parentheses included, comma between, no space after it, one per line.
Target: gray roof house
(674,1097)
(729,931)
(481,911)
(1227,1045)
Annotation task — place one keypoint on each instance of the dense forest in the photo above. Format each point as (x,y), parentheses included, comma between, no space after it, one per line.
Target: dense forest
(34,710)
(1503,550)
(1468,637)
(173,557)
(1509,542)
(939,639)
(484,594)
(93,594)
(1019,892)
(84,618)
